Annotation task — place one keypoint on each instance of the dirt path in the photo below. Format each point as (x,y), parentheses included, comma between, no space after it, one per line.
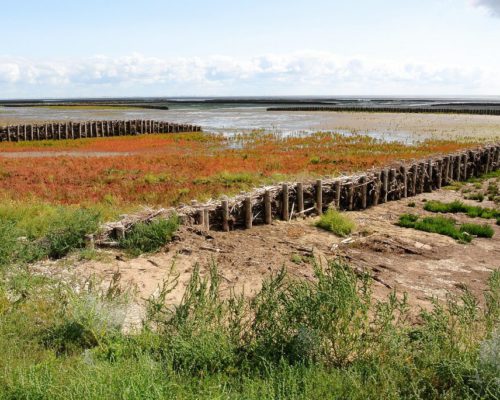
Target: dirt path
(422,264)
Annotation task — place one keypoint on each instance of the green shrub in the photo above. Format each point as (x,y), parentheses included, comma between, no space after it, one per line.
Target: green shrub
(336,222)
(8,241)
(150,237)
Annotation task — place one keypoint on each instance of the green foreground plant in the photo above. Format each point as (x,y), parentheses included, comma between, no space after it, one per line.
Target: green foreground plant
(294,339)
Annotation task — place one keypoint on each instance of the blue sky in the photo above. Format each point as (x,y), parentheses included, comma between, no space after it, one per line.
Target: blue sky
(56,48)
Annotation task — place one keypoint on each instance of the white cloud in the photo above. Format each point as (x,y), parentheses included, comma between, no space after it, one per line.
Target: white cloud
(296,73)
(492,6)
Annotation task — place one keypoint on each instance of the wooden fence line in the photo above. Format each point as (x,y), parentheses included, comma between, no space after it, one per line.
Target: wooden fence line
(426,110)
(88,129)
(292,200)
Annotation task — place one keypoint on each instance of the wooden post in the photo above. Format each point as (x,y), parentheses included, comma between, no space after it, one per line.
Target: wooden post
(422,177)
(284,202)
(201,218)
(446,167)
(362,181)
(458,174)
(376,188)
(8,133)
(337,185)
(268,215)
(414,175)
(464,167)
(248,213)
(404,172)
(393,184)
(439,174)
(350,196)
(25,132)
(428,186)
(488,161)
(384,176)
(300,198)
(206,218)
(225,215)
(319,197)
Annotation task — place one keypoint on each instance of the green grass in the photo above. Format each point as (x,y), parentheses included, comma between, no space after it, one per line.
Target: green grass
(459,207)
(445,226)
(150,237)
(31,234)
(295,339)
(336,222)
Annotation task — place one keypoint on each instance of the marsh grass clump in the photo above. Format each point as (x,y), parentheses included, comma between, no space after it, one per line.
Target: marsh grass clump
(336,222)
(445,226)
(150,237)
(459,207)
(484,230)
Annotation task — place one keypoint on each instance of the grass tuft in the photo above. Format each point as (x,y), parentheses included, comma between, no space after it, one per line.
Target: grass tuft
(150,237)
(445,226)
(336,222)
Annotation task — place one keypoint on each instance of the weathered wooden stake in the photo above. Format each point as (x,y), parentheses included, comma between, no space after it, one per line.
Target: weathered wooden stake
(350,196)
(364,188)
(225,215)
(206,218)
(319,197)
(337,186)
(284,202)
(404,173)
(384,176)
(268,215)
(248,213)
(376,189)
(300,198)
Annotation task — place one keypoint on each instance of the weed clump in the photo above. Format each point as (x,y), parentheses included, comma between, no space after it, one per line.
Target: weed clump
(336,222)
(149,237)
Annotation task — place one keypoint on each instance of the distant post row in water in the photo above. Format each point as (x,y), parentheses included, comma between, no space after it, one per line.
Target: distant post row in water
(422,110)
(89,129)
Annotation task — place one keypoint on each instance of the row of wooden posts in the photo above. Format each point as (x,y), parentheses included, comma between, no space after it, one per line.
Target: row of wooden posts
(426,110)
(290,200)
(88,129)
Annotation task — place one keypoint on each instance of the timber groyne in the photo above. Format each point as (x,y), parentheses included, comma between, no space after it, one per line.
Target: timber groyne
(290,200)
(89,129)
(412,110)
(358,192)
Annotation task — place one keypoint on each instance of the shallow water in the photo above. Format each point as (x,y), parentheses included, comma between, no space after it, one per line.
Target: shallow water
(227,120)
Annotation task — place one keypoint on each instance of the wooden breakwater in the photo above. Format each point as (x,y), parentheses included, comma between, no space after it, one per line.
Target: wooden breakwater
(423,110)
(288,200)
(291,200)
(89,129)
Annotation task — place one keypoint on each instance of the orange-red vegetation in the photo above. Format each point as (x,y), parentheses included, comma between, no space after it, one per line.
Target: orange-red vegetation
(169,169)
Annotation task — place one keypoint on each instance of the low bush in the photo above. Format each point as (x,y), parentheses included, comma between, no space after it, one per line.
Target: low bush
(336,222)
(149,237)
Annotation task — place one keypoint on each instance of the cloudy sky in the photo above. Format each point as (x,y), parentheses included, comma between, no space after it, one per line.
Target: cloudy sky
(81,48)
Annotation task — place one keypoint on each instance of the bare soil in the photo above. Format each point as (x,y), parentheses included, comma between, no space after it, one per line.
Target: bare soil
(424,265)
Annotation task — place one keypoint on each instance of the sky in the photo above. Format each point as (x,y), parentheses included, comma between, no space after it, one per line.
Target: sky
(111,48)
